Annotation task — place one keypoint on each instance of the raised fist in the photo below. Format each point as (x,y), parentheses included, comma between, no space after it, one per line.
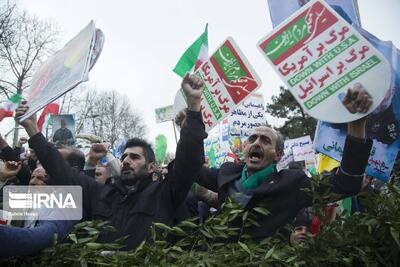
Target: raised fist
(192,87)
(357,99)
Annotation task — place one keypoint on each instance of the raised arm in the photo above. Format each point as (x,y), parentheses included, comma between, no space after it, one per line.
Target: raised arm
(50,158)
(53,162)
(189,156)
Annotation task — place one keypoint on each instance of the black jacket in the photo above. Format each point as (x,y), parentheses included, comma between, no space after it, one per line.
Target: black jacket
(132,213)
(281,193)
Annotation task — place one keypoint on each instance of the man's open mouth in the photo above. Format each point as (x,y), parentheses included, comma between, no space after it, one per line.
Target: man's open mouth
(256,155)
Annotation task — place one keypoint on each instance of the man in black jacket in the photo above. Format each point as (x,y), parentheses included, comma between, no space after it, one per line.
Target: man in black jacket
(258,183)
(132,202)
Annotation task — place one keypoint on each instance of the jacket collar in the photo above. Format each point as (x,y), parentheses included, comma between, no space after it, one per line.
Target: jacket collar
(118,185)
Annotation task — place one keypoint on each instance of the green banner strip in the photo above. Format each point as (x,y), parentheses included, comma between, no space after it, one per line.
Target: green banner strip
(229,63)
(342,81)
(287,39)
(319,63)
(211,102)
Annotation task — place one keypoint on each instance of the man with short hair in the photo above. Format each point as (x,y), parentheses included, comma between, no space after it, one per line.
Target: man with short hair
(132,202)
(63,136)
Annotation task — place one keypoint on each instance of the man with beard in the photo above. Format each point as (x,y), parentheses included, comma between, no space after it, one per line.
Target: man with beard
(258,183)
(63,136)
(133,201)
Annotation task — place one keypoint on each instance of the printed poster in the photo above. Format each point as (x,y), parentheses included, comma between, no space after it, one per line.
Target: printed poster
(64,70)
(164,114)
(63,129)
(247,116)
(383,124)
(229,79)
(319,56)
(297,149)
(330,141)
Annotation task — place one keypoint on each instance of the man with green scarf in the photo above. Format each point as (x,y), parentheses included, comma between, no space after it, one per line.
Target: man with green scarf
(258,183)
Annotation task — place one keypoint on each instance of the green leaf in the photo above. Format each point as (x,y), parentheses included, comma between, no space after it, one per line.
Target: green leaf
(84,240)
(235,211)
(176,248)
(206,233)
(244,247)
(73,238)
(163,226)
(261,211)
(189,224)
(221,228)
(245,215)
(269,253)
(94,245)
(291,259)
(178,231)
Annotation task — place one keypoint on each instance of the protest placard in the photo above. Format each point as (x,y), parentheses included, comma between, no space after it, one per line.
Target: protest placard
(319,56)
(164,114)
(383,124)
(297,149)
(63,128)
(303,153)
(247,116)
(330,141)
(229,79)
(64,70)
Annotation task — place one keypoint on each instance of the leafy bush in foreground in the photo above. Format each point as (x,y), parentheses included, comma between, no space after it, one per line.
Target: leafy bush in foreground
(367,239)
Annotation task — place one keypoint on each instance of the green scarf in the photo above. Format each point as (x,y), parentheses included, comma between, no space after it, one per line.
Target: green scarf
(256,178)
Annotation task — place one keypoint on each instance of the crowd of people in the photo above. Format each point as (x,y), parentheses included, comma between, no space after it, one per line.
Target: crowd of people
(132,192)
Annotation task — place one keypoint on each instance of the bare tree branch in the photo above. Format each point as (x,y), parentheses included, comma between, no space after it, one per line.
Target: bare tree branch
(29,41)
(109,113)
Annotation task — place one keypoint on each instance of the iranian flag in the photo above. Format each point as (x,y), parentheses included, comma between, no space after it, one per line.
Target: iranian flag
(7,108)
(194,56)
(45,118)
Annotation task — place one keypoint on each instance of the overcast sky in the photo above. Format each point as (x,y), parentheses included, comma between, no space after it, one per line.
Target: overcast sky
(144,40)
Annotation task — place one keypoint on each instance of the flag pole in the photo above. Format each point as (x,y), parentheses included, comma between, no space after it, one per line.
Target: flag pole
(173,126)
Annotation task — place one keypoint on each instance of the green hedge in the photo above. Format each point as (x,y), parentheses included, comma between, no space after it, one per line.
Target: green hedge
(367,239)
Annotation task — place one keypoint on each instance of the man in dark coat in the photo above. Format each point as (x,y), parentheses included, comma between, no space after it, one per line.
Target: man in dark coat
(63,136)
(132,202)
(258,183)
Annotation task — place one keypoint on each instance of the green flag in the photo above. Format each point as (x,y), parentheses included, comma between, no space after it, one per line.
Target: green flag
(194,56)
(211,156)
(7,108)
